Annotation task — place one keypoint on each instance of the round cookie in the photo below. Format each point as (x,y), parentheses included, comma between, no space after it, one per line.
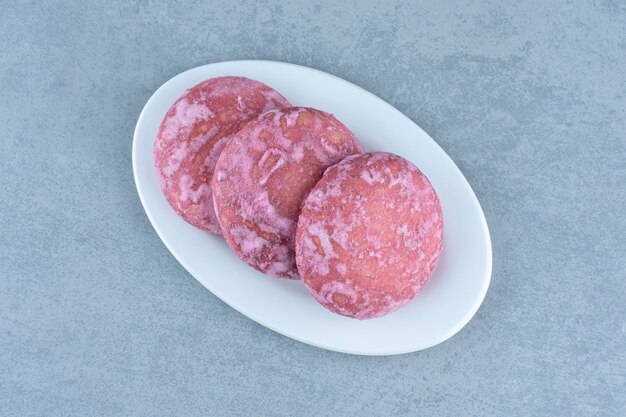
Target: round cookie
(369,235)
(264,174)
(194,132)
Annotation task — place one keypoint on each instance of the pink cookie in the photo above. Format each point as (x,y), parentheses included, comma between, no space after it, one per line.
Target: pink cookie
(369,235)
(194,132)
(264,174)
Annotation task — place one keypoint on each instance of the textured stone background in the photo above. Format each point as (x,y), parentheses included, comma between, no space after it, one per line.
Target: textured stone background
(97,318)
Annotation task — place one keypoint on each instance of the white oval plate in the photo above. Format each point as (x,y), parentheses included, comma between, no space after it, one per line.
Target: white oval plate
(449,299)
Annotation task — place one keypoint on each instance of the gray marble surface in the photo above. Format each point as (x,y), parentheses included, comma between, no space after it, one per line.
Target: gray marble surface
(98,319)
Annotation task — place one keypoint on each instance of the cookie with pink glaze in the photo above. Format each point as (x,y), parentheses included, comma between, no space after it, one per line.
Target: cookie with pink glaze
(194,132)
(264,174)
(369,235)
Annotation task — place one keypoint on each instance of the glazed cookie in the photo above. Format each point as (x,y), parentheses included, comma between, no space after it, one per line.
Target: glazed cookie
(194,132)
(264,174)
(369,235)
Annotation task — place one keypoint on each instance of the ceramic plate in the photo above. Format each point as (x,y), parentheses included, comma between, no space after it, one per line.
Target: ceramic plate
(447,302)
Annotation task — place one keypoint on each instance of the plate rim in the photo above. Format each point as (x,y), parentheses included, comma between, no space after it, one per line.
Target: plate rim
(483,221)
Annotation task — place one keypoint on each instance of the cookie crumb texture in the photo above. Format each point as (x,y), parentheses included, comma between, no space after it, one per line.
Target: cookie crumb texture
(192,135)
(369,235)
(263,176)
